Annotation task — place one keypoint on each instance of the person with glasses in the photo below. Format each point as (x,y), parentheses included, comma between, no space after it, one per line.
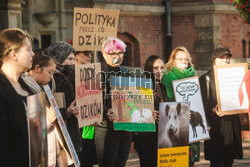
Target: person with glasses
(146,143)
(64,81)
(41,72)
(178,67)
(88,143)
(225,143)
(83,57)
(112,146)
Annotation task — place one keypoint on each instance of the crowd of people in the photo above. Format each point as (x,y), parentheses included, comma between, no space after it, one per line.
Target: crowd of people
(24,72)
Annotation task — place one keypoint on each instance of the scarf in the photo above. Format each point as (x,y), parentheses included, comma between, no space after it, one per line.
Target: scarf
(33,85)
(67,70)
(175,74)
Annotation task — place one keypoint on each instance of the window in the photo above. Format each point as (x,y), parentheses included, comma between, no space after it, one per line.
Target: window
(46,41)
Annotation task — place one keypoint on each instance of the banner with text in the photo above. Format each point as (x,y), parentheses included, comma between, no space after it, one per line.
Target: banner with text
(89,93)
(92,26)
(173,149)
(228,80)
(133,104)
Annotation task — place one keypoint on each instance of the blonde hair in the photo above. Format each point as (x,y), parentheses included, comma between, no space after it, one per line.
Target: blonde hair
(170,63)
(11,39)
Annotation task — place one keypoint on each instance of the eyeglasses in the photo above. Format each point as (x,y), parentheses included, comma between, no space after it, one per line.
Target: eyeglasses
(88,53)
(50,72)
(180,59)
(114,54)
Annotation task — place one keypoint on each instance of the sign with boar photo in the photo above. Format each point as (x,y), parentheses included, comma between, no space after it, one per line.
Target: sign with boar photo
(173,136)
(188,90)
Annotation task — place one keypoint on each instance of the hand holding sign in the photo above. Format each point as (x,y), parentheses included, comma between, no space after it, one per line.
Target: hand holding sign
(51,114)
(187,89)
(217,111)
(111,115)
(73,109)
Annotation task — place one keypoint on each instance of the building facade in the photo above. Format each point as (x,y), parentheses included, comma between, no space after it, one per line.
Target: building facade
(200,25)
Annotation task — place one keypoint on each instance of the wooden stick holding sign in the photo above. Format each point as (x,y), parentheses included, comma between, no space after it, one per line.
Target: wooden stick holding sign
(92,26)
(62,126)
(228,79)
(89,93)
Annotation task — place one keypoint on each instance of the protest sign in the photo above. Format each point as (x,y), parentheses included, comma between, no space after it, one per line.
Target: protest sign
(89,93)
(62,126)
(36,105)
(228,80)
(133,104)
(92,26)
(188,89)
(173,149)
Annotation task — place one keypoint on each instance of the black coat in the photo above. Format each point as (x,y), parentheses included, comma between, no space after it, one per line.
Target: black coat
(107,73)
(225,132)
(146,142)
(65,82)
(14,149)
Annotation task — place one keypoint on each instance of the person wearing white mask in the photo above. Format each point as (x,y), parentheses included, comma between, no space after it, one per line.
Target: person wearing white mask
(225,143)
(178,67)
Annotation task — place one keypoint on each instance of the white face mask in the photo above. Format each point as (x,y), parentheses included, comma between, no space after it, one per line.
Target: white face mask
(182,66)
(117,61)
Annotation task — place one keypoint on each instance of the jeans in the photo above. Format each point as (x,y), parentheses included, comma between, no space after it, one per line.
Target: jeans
(112,147)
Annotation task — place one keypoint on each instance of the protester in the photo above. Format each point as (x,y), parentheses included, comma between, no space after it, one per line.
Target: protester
(225,142)
(41,73)
(88,132)
(178,67)
(64,78)
(16,57)
(84,57)
(112,146)
(146,142)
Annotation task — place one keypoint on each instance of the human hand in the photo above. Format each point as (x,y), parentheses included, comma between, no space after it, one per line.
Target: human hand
(189,115)
(217,111)
(111,115)
(73,109)
(208,128)
(51,114)
(156,115)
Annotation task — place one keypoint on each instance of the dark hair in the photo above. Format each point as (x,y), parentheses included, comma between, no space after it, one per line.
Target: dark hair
(41,59)
(59,51)
(11,39)
(148,67)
